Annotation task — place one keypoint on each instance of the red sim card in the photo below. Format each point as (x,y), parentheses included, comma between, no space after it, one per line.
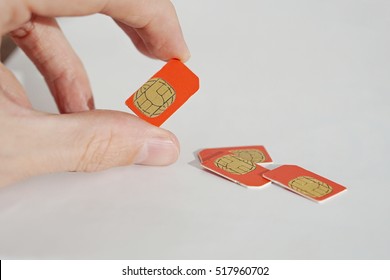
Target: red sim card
(304,182)
(164,93)
(236,169)
(255,154)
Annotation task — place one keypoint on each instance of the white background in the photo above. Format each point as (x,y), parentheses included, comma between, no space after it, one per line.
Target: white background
(310,80)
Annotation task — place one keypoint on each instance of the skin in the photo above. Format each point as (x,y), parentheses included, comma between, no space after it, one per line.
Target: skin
(80,138)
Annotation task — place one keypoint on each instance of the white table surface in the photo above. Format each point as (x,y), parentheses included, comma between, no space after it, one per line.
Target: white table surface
(310,80)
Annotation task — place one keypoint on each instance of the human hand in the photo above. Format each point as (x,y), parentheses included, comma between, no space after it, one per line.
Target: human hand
(83,139)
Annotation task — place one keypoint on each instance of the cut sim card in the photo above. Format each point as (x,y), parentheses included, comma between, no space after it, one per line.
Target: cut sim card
(304,182)
(234,168)
(254,154)
(164,93)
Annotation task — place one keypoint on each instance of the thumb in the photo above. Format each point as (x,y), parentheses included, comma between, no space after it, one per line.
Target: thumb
(91,141)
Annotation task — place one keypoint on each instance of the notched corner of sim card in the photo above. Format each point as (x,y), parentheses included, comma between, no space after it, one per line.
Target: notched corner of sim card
(270,166)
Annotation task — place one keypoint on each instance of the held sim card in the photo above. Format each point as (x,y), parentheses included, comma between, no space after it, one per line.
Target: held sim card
(164,93)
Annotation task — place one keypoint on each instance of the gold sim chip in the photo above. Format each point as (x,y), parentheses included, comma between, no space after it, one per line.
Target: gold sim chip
(234,164)
(164,93)
(310,186)
(154,97)
(251,155)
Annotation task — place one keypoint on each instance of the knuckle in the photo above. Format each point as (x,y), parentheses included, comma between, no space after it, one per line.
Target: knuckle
(97,154)
(108,145)
(23,31)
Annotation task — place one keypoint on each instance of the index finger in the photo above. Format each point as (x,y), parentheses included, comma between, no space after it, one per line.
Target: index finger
(154,28)
(155,21)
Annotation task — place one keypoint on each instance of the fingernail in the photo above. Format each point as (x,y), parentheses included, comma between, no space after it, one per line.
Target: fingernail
(23,31)
(158,151)
(186,56)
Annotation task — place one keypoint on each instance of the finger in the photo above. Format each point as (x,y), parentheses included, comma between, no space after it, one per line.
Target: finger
(87,141)
(45,44)
(160,36)
(155,21)
(136,39)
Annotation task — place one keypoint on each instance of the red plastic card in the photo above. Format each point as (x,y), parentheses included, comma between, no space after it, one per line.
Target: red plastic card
(304,182)
(164,93)
(255,154)
(236,169)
